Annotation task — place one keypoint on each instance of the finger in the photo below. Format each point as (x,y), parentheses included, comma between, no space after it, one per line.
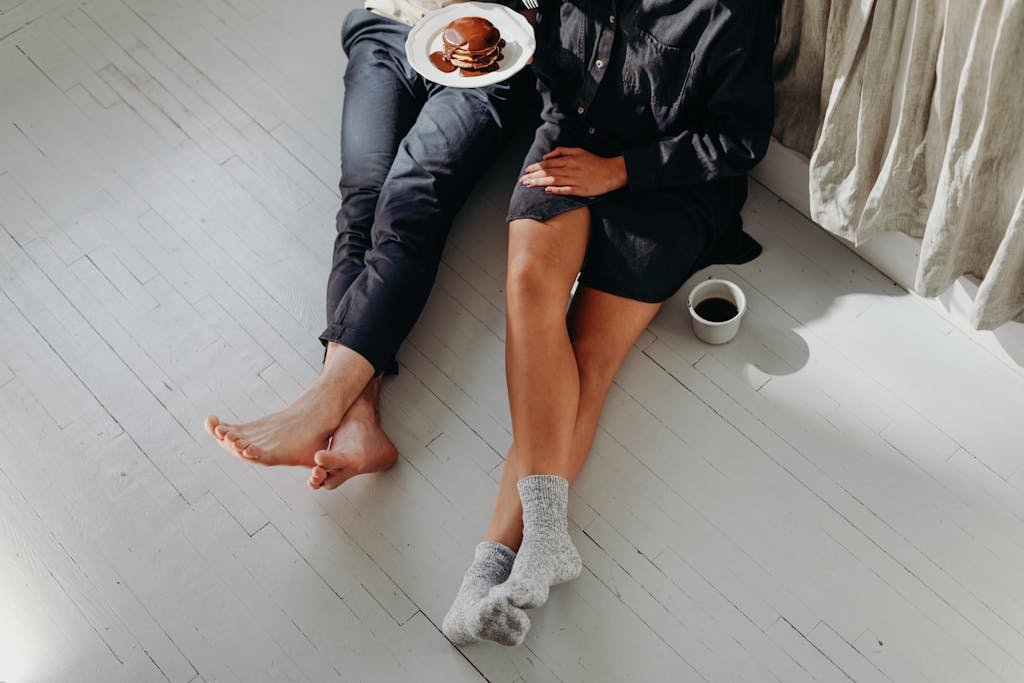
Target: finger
(534,171)
(548,172)
(536,180)
(555,162)
(547,181)
(562,152)
(561,189)
(559,179)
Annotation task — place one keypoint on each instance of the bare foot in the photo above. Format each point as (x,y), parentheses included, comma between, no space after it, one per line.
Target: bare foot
(288,437)
(358,446)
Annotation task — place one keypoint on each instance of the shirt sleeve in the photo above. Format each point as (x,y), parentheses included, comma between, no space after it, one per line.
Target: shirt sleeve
(739,113)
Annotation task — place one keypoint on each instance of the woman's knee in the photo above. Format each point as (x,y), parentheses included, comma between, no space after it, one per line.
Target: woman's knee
(534,282)
(542,263)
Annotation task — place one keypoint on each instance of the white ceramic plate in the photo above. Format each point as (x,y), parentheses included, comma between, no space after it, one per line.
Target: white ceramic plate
(425,37)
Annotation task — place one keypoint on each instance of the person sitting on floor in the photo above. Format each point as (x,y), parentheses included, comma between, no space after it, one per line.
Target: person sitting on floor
(411,152)
(654,112)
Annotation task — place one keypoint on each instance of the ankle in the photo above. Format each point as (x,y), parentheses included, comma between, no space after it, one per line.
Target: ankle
(545,501)
(323,401)
(364,411)
(345,373)
(511,537)
(331,382)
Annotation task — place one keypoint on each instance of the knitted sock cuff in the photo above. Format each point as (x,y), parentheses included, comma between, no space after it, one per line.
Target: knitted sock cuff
(545,499)
(494,554)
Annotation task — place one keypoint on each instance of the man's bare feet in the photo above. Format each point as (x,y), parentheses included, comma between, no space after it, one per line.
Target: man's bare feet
(288,437)
(358,446)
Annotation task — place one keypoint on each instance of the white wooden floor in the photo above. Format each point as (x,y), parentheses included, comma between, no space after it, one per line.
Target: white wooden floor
(838,494)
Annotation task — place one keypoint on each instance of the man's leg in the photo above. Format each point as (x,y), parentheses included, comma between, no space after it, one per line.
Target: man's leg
(374,122)
(455,138)
(382,101)
(292,436)
(379,108)
(358,446)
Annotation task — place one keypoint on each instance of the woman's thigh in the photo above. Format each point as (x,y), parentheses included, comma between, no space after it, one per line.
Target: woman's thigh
(547,254)
(603,328)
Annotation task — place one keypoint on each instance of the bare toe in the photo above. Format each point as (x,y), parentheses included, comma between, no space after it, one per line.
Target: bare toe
(221,429)
(337,468)
(358,446)
(249,452)
(332,460)
(231,442)
(317,477)
(211,424)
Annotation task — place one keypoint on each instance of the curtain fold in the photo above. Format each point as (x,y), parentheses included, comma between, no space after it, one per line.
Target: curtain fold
(912,115)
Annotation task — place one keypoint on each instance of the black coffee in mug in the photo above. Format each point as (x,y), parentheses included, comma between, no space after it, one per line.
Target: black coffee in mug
(716,309)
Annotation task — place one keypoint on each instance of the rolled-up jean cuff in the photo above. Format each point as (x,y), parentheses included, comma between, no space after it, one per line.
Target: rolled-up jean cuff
(358,340)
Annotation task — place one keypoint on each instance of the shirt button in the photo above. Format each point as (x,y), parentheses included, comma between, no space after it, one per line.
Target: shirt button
(611,19)
(599,63)
(579,110)
(591,130)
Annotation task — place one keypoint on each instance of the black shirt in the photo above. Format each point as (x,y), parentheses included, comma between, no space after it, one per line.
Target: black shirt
(681,88)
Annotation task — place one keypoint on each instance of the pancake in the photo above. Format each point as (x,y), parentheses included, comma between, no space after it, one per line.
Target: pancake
(470,44)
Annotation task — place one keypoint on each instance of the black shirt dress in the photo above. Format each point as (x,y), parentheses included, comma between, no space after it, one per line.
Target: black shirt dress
(683,90)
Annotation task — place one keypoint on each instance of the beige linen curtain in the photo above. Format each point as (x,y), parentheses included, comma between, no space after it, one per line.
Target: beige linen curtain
(912,115)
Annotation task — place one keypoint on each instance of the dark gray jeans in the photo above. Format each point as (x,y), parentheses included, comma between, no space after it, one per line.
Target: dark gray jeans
(411,152)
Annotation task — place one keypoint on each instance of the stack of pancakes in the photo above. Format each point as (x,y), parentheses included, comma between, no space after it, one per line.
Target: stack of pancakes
(472,44)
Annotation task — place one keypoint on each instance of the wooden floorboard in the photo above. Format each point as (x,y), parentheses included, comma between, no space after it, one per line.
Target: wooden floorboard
(836,495)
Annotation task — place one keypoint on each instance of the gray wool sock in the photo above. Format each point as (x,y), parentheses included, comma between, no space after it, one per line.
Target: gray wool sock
(547,556)
(472,616)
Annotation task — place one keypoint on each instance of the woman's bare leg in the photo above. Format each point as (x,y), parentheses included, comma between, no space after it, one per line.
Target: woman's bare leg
(603,328)
(543,390)
(293,435)
(543,381)
(545,384)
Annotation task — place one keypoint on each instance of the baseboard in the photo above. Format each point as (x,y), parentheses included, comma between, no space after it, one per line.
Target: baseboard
(785,173)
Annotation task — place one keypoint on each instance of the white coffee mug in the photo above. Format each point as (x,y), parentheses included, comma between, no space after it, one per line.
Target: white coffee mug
(711,331)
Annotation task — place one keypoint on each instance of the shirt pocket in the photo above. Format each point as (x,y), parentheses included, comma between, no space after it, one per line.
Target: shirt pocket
(658,74)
